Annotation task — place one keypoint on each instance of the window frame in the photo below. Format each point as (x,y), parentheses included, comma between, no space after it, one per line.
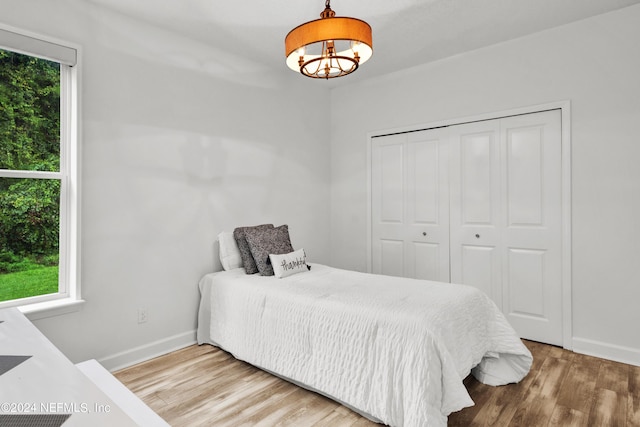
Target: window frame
(68,298)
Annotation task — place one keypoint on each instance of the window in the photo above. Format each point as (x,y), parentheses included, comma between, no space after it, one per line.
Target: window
(38,171)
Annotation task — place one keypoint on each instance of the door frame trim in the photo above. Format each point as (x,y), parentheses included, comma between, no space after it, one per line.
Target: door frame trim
(565,113)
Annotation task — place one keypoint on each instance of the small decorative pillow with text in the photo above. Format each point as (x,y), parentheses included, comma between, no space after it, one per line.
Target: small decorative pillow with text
(288,264)
(265,242)
(248,262)
(230,257)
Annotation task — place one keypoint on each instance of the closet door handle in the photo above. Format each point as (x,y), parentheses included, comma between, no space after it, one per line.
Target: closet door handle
(477,236)
(424,233)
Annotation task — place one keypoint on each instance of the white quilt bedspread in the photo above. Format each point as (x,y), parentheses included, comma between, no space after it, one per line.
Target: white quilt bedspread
(396,349)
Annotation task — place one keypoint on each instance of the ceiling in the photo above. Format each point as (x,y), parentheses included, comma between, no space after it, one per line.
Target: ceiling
(405,32)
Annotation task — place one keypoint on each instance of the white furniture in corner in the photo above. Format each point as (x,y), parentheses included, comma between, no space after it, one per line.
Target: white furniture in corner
(38,382)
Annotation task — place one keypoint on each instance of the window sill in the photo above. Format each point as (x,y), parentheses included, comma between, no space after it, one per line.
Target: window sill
(46,309)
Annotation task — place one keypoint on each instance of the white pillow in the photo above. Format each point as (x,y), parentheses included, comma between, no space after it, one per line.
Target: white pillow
(288,264)
(229,253)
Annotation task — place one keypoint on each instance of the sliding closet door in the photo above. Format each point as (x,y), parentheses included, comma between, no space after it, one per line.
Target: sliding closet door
(532,237)
(479,204)
(506,228)
(410,205)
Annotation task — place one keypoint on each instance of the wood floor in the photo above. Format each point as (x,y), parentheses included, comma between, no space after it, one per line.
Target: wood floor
(204,386)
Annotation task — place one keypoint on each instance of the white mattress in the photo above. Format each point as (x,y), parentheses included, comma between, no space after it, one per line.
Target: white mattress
(395,349)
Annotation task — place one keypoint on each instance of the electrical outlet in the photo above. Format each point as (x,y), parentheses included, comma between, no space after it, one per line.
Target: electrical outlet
(142,315)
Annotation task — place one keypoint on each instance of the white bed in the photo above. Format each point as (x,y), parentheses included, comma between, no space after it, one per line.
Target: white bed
(394,349)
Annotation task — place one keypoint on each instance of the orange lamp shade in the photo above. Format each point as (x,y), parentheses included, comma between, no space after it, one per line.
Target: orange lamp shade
(328,47)
(336,28)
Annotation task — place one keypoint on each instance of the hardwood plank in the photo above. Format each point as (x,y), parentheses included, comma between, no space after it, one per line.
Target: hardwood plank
(534,411)
(567,417)
(192,385)
(608,409)
(633,406)
(160,364)
(633,410)
(549,380)
(287,412)
(536,403)
(634,380)
(500,408)
(249,398)
(534,406)
(577,389)
(613,376)
(237,408)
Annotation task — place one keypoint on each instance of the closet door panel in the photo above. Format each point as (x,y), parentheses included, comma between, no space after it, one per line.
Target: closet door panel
(387,205)
(526,278)
(391,184)
(391,257)
(533,230)
(478,267)
(428,261)
(423,185)
(475,226)
(477,181)
(525,176)
(427,203)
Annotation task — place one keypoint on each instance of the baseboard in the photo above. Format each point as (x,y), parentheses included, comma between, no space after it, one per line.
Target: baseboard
(604,350)
(148,351)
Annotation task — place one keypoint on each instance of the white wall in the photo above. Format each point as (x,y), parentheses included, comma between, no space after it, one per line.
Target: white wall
(180,141)
(183,140)
(593,63)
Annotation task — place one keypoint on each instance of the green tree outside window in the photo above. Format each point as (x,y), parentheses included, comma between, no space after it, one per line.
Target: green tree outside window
(29,207)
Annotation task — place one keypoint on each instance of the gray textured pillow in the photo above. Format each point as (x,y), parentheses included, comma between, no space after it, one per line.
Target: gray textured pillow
(245,253)
(268,241)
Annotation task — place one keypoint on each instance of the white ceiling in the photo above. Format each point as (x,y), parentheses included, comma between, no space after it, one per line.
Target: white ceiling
(405,32)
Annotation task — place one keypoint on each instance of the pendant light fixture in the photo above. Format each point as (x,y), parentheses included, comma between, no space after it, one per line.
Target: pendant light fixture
(328,47)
